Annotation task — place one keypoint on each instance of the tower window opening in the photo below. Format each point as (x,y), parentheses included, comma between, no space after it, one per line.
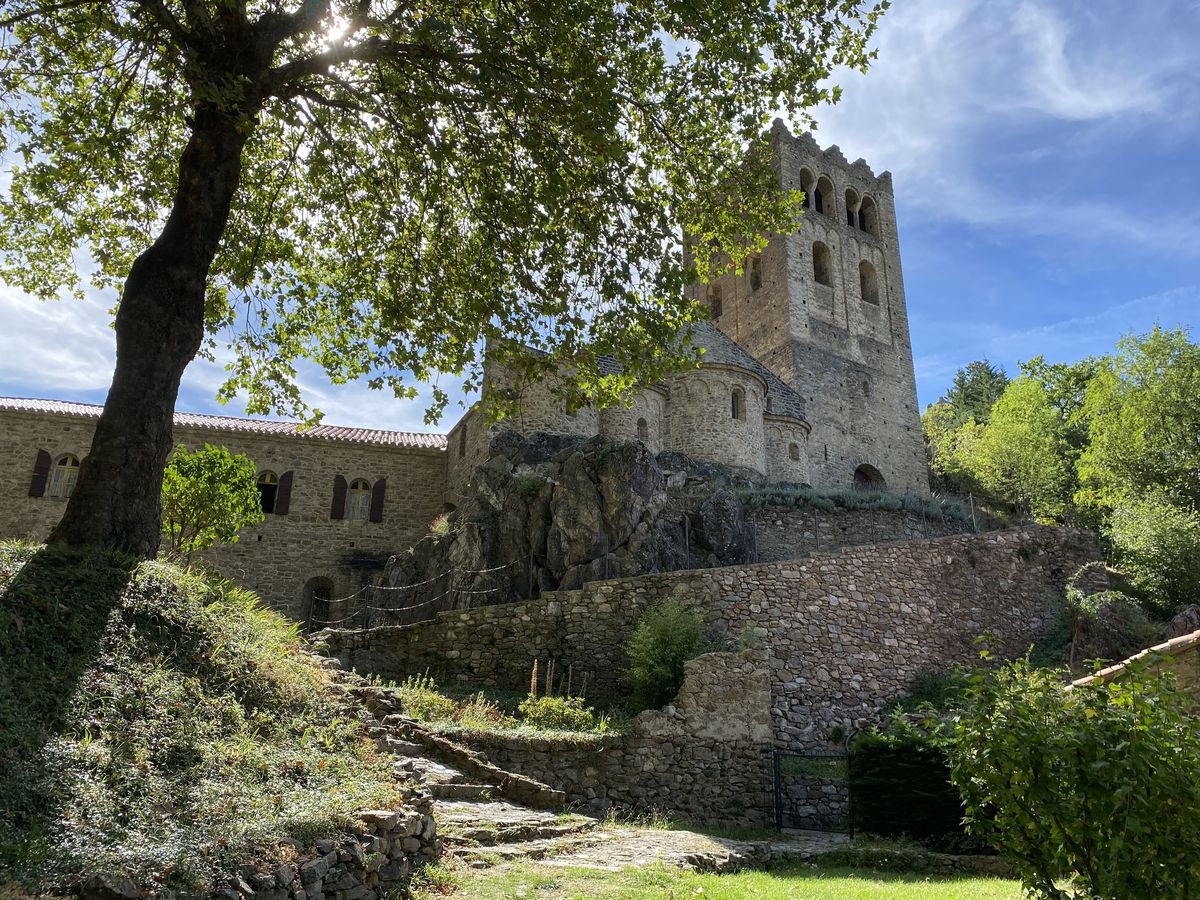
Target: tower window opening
(868,217)
(756,273)
(738,404)
(868,283)
(794,451)
(806,186)
(822,264)
(851,208)
(823,196)
(643,431)
(715,300)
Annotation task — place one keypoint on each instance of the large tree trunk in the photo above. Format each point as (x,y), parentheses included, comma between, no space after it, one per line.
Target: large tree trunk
(160,324)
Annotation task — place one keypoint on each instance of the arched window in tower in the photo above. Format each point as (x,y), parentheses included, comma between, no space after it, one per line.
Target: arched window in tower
(755,273)
(868,283)
(643,431)
(358,500)
(806,185)
(868,216)
(822,264)
(738,404)
(851,208)
(64,476)
(268,490)
(823,196)
(715,300)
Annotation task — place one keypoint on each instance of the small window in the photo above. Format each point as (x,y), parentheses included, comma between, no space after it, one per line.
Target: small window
(851,208)
(868,283)
(794,451)
(738,405)
(462,443)
(715,300)
(358,500)
(64,476)
(756,273)
(268,491)
(822,264)
(643,430)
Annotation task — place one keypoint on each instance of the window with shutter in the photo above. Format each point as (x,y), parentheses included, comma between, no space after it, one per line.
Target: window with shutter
(41,474)
(337,509)
(377,496)
(283,497)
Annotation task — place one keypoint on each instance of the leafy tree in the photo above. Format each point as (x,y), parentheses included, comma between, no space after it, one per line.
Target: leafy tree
(975,390)
(1022,455)
(1144,424)
(1098,781)
(667,636)
(1066,387)
(949,447)
(1157,547)
(376,185)
(207,497)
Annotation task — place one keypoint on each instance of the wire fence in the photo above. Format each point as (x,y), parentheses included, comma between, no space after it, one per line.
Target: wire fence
(373,605)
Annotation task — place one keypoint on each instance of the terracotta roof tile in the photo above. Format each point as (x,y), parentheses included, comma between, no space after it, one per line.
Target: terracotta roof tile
(378,437)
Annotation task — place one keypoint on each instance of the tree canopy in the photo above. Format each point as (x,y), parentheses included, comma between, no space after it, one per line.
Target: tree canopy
(208,496)
(975,390)
(377,185)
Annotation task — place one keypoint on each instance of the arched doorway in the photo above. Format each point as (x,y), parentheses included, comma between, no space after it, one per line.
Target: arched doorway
(318,600)
(868,478)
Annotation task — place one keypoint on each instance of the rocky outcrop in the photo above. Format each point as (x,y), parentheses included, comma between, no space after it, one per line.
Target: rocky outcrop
(549,512)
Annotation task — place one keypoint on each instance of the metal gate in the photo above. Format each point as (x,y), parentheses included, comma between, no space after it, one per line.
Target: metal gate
(812,791)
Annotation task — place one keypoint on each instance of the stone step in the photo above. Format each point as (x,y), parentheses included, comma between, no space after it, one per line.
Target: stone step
(447,790)
(497,823)
(518,788)
(401,747)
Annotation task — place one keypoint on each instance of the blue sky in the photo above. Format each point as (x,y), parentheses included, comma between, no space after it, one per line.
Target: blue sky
(1045,156)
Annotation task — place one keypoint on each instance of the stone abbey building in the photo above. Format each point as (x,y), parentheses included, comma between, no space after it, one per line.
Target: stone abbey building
(806,377)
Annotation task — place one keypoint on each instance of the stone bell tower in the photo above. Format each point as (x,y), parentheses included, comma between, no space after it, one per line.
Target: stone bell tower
(824,308)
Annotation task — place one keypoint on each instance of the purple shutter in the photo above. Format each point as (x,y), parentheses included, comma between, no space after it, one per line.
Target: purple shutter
(377,493)
(283,494)
(338,509)
(41,473)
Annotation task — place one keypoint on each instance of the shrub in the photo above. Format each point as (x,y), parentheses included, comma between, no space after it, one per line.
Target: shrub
(422,701)
(207,497)
(440,524)
(557,713)
(1108,625)
(939,690)
(478,712)
(1098,781)
(668,635)
(1157,546)
(900,780)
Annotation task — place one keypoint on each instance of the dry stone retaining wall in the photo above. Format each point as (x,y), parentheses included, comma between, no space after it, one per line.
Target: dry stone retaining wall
(704,759)
(846,632)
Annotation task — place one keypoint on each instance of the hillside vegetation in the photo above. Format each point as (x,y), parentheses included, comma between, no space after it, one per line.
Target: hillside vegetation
(161,725)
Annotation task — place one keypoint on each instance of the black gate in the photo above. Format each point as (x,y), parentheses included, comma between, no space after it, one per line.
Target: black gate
(812,791)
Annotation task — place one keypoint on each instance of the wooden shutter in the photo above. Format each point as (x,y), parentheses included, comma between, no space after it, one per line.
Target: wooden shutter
(377,493)
(41,473)
(338,509)
(283,494)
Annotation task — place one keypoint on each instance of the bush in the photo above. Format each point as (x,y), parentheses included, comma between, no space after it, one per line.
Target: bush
(557,713)
(668,635)
(1109,626)
(421,699)
(900,781)
(1098,781)
(939,690)
(207,497)
(1157,546)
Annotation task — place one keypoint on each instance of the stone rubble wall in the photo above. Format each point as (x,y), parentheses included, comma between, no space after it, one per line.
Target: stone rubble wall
(375,859)
(705,759)
(791,533)
(846,632)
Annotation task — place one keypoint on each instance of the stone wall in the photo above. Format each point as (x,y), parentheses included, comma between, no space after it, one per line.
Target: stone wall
(792,532)
(700,421)
(704,759)
(621,423)
(284,556)
(846,632)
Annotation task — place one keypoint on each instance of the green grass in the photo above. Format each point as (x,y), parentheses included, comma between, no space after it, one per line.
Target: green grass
(934,506)
(793,882)
(162,725)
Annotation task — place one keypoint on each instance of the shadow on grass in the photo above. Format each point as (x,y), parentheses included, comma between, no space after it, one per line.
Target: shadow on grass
(53,615)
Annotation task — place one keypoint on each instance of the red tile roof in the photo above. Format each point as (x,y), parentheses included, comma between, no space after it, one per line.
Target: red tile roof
(409,439)
(1173,647)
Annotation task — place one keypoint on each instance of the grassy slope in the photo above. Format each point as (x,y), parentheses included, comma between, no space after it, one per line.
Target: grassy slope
(159,724)
(793,882)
